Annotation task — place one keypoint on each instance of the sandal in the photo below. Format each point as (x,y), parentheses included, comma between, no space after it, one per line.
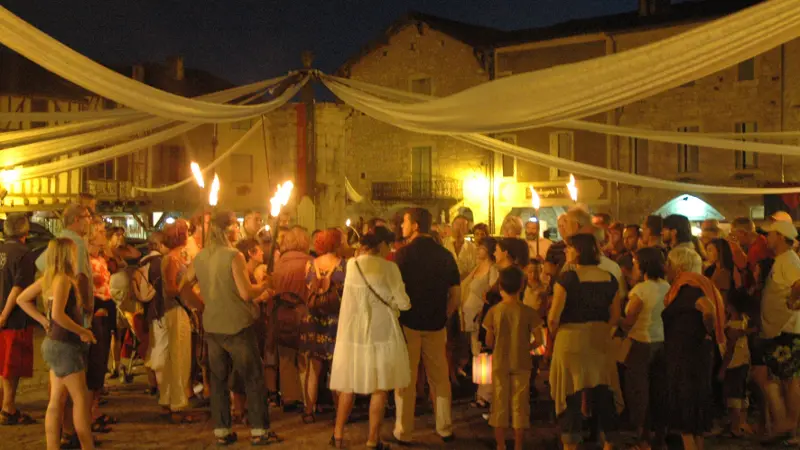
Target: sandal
(18,418)
(336,443)
(309,418)
(107,420)
(227,440)
(380,446)
(265,439)
(100,427)
(482,404)
(180,419)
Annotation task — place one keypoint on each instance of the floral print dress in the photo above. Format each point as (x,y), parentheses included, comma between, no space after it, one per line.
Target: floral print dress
(318,328)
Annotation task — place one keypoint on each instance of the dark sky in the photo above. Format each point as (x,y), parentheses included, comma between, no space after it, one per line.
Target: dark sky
(248,40)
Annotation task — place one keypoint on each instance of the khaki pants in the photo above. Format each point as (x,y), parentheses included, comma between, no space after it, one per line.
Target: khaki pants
(430,345)
(289,375)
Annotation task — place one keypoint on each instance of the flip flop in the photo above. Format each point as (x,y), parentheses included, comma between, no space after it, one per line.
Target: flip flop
(227,440)
(265,439)
(100,427)
(18,418)
(107,420)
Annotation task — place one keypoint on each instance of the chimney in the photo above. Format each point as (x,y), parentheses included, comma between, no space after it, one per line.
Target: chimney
(138,73)
(649,8)
(175,67)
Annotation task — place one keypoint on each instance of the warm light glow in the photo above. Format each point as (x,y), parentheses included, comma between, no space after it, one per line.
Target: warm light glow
(170,220)
(535,201)
(266,228)
(198,175)
(281,198)
(572,188)
(9,176)
(213,196)
(347,222)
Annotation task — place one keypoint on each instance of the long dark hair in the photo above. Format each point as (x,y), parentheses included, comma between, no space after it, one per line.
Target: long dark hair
(586,245)
(651,262)
(724,253)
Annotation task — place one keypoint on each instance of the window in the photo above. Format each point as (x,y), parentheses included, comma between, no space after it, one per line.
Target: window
(39,105)
(639,157)
(102,171)
(123,169)
(509,162)
(747,70)
(562,145)
(688,155)
(421,174)
(746,160)
(422,85)
(242,124)
(169,164)
(242,168)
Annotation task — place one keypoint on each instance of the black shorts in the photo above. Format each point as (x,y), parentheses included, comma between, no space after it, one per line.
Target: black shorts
(757,348)
(735,384)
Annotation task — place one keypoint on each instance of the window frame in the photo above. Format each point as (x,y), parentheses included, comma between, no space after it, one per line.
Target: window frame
(554,151)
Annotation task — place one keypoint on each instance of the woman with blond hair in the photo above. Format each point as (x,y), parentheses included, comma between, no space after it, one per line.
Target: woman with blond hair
(63,348)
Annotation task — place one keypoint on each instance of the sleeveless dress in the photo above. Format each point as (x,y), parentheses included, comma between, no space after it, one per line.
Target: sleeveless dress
(318,330)
(689,352)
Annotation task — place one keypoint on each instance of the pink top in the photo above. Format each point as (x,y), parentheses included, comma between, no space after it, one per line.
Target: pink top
(101,277)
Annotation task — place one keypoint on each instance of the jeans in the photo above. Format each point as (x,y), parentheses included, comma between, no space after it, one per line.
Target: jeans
(237,352)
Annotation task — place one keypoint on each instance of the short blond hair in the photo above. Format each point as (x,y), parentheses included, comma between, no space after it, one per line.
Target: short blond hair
(296,239)
(512,225)
(581,216)
(72,212)
(685,260)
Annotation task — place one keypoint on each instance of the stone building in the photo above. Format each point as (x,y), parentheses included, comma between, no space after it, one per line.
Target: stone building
(420,54)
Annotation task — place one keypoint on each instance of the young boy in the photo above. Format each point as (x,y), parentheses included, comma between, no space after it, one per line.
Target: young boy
(736,366)
(509,325)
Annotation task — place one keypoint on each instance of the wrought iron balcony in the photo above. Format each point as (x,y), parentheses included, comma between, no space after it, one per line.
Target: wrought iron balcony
(110,189)
(416,190)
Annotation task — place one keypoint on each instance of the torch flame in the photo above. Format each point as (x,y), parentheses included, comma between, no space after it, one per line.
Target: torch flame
(9,176)
(213,196)
(198,175)
(347,222)
(572,188)
(281,198)
(535,201)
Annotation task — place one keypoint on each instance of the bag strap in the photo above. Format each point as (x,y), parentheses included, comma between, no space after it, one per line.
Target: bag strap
(370,287)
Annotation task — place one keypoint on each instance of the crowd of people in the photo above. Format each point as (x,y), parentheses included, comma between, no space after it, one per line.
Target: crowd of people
(643,325)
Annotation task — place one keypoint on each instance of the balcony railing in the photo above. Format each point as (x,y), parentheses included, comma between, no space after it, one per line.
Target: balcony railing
(110,189)
(408,190)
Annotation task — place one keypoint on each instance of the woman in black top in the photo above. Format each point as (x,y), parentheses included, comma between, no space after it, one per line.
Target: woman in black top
(63,348)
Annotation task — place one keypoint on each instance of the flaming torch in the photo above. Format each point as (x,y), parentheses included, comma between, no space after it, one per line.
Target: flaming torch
(349,224)
(198,175)
(536,203)
(213,196)
(276,203)
(572,188)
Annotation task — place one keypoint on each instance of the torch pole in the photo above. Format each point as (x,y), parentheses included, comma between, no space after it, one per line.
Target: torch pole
(538,232)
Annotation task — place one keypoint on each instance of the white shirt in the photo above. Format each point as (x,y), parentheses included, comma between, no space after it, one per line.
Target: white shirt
(649,327)
(776,317)
(544,245)
(613,268)
(467,259)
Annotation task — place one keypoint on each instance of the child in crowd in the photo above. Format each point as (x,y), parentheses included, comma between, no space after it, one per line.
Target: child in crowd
(736,366)
(508,331)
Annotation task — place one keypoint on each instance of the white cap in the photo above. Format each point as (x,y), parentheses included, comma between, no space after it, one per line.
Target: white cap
(781,216)
(785,229)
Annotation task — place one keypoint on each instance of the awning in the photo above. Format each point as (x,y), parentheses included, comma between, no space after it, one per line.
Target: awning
(693,208)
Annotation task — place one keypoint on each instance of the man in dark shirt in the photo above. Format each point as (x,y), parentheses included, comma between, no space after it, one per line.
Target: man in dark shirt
(432,281)
(17,272)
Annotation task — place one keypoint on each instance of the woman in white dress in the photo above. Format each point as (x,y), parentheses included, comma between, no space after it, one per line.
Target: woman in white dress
(370,356)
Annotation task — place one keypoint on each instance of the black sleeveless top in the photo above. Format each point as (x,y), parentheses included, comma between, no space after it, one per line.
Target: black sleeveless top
(587,301)
(59,333)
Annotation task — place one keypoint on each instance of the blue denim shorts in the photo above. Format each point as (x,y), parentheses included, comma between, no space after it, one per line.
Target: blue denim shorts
(63,358)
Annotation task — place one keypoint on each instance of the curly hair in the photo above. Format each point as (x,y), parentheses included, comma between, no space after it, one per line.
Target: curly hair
(176,234)
(328,241)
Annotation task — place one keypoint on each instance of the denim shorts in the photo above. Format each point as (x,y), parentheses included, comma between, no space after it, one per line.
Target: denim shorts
(63,358)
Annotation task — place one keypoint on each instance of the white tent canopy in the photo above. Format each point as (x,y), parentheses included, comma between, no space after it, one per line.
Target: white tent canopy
(693,208)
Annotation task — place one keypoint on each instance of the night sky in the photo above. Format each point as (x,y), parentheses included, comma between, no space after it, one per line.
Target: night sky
(248,40)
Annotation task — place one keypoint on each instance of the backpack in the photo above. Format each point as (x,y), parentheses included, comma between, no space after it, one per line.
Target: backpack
(325,295)
(146,285)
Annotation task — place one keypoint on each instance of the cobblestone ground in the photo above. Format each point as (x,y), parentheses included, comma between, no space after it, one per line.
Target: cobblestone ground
(142,426)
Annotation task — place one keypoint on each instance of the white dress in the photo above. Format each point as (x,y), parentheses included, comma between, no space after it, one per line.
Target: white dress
(370,352)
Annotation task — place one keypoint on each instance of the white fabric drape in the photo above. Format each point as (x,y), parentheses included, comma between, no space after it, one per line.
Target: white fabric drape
(39,134)
(231,150)
(573,91)
(726,141)
(54,147)
(42,49)
(76,162)
(358,99)
(121,114)
(352,192)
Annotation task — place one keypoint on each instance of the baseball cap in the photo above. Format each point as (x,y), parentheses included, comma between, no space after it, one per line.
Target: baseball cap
(781,216)
(785,229)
